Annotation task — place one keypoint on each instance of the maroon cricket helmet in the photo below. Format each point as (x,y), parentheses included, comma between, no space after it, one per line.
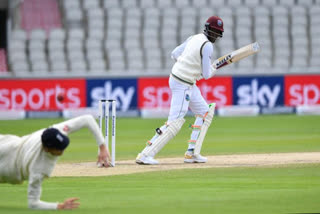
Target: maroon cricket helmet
(214,28)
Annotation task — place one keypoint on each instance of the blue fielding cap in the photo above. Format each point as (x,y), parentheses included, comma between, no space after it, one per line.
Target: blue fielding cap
(53,138)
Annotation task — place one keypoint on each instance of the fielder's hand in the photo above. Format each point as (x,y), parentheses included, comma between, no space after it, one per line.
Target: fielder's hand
(103,157)
(69,204)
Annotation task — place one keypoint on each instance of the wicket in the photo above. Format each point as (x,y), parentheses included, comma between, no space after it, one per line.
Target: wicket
(105,113)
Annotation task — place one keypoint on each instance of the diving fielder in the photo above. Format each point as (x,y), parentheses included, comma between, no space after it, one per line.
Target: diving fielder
(193,62)
(34,156)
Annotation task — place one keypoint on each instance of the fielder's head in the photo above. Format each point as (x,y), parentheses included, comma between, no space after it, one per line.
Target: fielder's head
(54,142)
(213,28)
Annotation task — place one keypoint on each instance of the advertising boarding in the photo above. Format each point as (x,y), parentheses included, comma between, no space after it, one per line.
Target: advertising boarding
(261,91)
(124,91)
(217,89)
(267,92)
(302,90)
(38,95)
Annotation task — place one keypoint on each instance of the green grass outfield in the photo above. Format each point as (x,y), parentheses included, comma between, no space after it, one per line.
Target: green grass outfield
(262,134)
(286,189)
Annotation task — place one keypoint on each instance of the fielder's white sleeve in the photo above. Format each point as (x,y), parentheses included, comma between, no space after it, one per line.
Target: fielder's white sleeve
(179,49)
(208,70)
(85,121)
(34,194)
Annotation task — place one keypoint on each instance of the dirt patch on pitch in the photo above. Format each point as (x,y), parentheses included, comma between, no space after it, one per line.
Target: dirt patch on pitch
(218,161)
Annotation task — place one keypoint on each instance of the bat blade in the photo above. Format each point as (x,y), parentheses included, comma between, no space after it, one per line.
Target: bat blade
(237,55)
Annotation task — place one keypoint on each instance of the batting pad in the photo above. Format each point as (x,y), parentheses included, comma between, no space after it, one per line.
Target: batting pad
(162,138)
(196,127)
(204,128)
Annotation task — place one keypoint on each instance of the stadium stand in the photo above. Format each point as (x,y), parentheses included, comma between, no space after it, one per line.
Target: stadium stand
(137,36)
(43,14)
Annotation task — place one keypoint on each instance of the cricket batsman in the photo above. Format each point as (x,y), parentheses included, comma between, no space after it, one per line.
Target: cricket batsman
(193,62)
(34,156)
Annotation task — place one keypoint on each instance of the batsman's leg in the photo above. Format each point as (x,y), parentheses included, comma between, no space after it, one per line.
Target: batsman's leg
(163,135)
(198,134)
(181,94)
(204,115)
(196,127)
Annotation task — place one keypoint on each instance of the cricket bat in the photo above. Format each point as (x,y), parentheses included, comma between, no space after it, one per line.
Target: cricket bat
(236,55)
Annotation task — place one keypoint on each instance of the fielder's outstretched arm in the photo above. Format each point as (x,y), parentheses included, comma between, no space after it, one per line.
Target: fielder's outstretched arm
(34,194)
(87,121)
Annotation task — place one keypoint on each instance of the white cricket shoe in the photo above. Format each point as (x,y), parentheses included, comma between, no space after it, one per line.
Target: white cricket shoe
(191,158)
(146,160)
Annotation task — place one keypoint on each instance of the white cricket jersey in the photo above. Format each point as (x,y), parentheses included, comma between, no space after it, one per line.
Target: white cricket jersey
(189,64)
(23,158)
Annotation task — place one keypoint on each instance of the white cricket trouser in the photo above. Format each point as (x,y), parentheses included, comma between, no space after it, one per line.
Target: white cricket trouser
(185,96)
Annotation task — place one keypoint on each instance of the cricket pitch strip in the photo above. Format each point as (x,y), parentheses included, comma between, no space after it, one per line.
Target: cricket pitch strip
(217,161)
